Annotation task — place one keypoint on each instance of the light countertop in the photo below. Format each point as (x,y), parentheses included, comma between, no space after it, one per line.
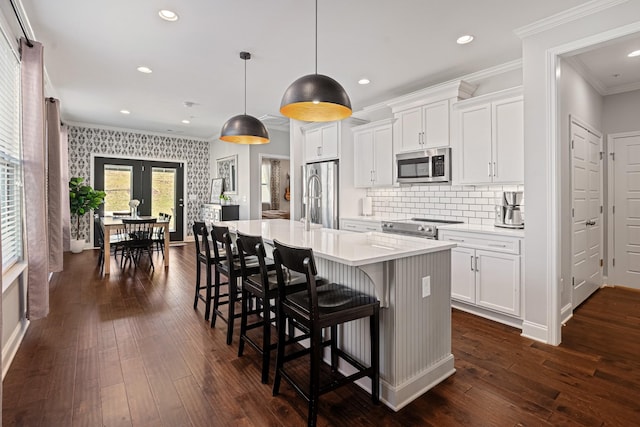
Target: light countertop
(345,247)
(378,218)
(487,229)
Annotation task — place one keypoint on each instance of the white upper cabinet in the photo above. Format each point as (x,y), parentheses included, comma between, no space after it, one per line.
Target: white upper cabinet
(489,140)
(373,154)
(423,119)
(423,127)
(321,143)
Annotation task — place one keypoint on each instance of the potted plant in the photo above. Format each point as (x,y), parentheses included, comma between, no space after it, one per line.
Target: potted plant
(82,199)
(224,199)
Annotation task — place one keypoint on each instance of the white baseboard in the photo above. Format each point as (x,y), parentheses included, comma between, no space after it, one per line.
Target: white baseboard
(566,313)
(535,331)
(13,343)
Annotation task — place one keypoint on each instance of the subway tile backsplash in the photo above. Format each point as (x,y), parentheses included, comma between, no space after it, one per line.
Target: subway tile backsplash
(473,204)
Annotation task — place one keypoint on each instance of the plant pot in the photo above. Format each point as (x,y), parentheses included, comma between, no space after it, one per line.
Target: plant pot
(77,246)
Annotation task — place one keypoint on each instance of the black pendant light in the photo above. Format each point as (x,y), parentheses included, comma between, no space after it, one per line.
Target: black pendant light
(316,97)
(244,129)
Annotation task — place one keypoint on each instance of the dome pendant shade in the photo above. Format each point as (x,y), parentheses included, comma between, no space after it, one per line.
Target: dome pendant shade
(244,129)
(316,98)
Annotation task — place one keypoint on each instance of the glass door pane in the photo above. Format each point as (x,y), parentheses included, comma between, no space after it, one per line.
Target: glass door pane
(163,193)
(118,184)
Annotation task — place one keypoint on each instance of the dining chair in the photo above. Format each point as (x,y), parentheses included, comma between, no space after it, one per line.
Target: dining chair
(139,239)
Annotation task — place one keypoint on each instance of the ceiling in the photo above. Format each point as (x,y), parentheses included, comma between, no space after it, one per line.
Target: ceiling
(607,67)
(92,50)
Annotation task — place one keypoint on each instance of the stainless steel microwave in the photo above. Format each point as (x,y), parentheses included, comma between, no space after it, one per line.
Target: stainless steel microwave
(424,166)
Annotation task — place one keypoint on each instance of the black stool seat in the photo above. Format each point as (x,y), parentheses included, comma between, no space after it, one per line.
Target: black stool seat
(333,298)
(316,308)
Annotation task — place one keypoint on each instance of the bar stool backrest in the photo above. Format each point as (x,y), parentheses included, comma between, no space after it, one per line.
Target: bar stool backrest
(220,236)
(201,236)
(249,245)
(300,260)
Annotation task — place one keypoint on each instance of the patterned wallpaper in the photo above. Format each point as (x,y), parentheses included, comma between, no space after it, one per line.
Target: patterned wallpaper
(84,141)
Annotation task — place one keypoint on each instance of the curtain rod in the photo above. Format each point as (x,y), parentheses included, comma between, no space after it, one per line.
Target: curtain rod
(20,22)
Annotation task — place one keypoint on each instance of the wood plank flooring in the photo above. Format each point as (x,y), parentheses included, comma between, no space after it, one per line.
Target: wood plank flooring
(129,350)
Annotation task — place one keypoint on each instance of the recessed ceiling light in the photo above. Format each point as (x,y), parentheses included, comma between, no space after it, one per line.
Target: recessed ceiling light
(145,70)
(168,15)
(634,54)
(186,122)
(125,111)
(467,38)
(364,81)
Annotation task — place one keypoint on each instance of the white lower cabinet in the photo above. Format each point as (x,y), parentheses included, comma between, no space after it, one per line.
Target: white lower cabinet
(486,271)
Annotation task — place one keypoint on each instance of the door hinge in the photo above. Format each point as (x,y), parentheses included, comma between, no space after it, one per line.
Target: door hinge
(613,262)
(601,208)
(601,153)
(601,262)
(572,144)
(613,156)
(614,209)
(573,282)
(573,212)
(142,168)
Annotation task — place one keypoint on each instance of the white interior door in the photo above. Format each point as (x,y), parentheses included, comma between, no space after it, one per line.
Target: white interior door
(626,268)
(586,186)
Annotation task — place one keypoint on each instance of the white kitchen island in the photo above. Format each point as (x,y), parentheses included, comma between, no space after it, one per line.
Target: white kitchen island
(415,329)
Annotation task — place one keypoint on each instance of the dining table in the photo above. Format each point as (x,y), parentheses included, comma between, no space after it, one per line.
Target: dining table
(111,223)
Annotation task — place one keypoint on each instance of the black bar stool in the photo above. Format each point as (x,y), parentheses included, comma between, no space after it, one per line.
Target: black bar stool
(229,265)
(207,257)
(319,307)
(263,286)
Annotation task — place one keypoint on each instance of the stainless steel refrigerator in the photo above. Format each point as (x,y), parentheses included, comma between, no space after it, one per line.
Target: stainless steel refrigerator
(323,192)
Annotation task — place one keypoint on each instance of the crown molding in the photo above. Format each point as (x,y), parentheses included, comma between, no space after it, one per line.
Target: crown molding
(630,87)
(451,89)
(581,69)
(496,70)
(565,17)
(140,131)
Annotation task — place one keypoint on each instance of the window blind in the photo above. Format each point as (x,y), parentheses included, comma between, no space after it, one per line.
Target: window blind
(10,156)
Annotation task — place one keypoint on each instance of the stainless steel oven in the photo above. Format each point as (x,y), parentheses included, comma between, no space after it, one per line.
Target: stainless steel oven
(424,166)
(417,227)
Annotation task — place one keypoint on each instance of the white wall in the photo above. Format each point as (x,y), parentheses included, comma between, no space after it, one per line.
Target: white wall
(579,99)
(542,305)
(621,112)
(219,149)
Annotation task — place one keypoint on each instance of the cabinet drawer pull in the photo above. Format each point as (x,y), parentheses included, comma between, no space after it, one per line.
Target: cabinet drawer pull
(456,240)
(496,245)
(489,169)
(477,269)
(371,228)
(471,262)
(494,169)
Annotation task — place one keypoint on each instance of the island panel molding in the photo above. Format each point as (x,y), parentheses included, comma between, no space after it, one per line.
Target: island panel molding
(85,141)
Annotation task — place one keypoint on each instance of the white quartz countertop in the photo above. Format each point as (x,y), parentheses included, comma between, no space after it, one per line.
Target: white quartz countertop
(487,229)
(378,218)
(346,247)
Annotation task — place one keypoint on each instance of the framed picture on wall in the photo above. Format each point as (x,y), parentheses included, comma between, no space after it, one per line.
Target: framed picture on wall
(228,170)
(217,185)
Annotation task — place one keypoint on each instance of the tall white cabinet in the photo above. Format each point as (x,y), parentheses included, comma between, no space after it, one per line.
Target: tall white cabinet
(373,154)
(489,138)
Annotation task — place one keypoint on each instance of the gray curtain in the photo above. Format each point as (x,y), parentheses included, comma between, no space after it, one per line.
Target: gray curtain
(55,186)
(275,184)
(64,180)
(34,161)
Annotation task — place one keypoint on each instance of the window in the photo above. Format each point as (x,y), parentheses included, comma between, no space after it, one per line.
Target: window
(265,181)
(10,156)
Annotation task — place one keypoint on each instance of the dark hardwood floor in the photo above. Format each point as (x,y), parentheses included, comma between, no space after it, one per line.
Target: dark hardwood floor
(130,350)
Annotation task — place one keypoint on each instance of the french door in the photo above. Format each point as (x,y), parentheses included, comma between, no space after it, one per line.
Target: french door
(159,186)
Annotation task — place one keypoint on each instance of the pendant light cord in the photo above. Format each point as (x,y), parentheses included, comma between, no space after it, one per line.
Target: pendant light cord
(316,36)
(245,87)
